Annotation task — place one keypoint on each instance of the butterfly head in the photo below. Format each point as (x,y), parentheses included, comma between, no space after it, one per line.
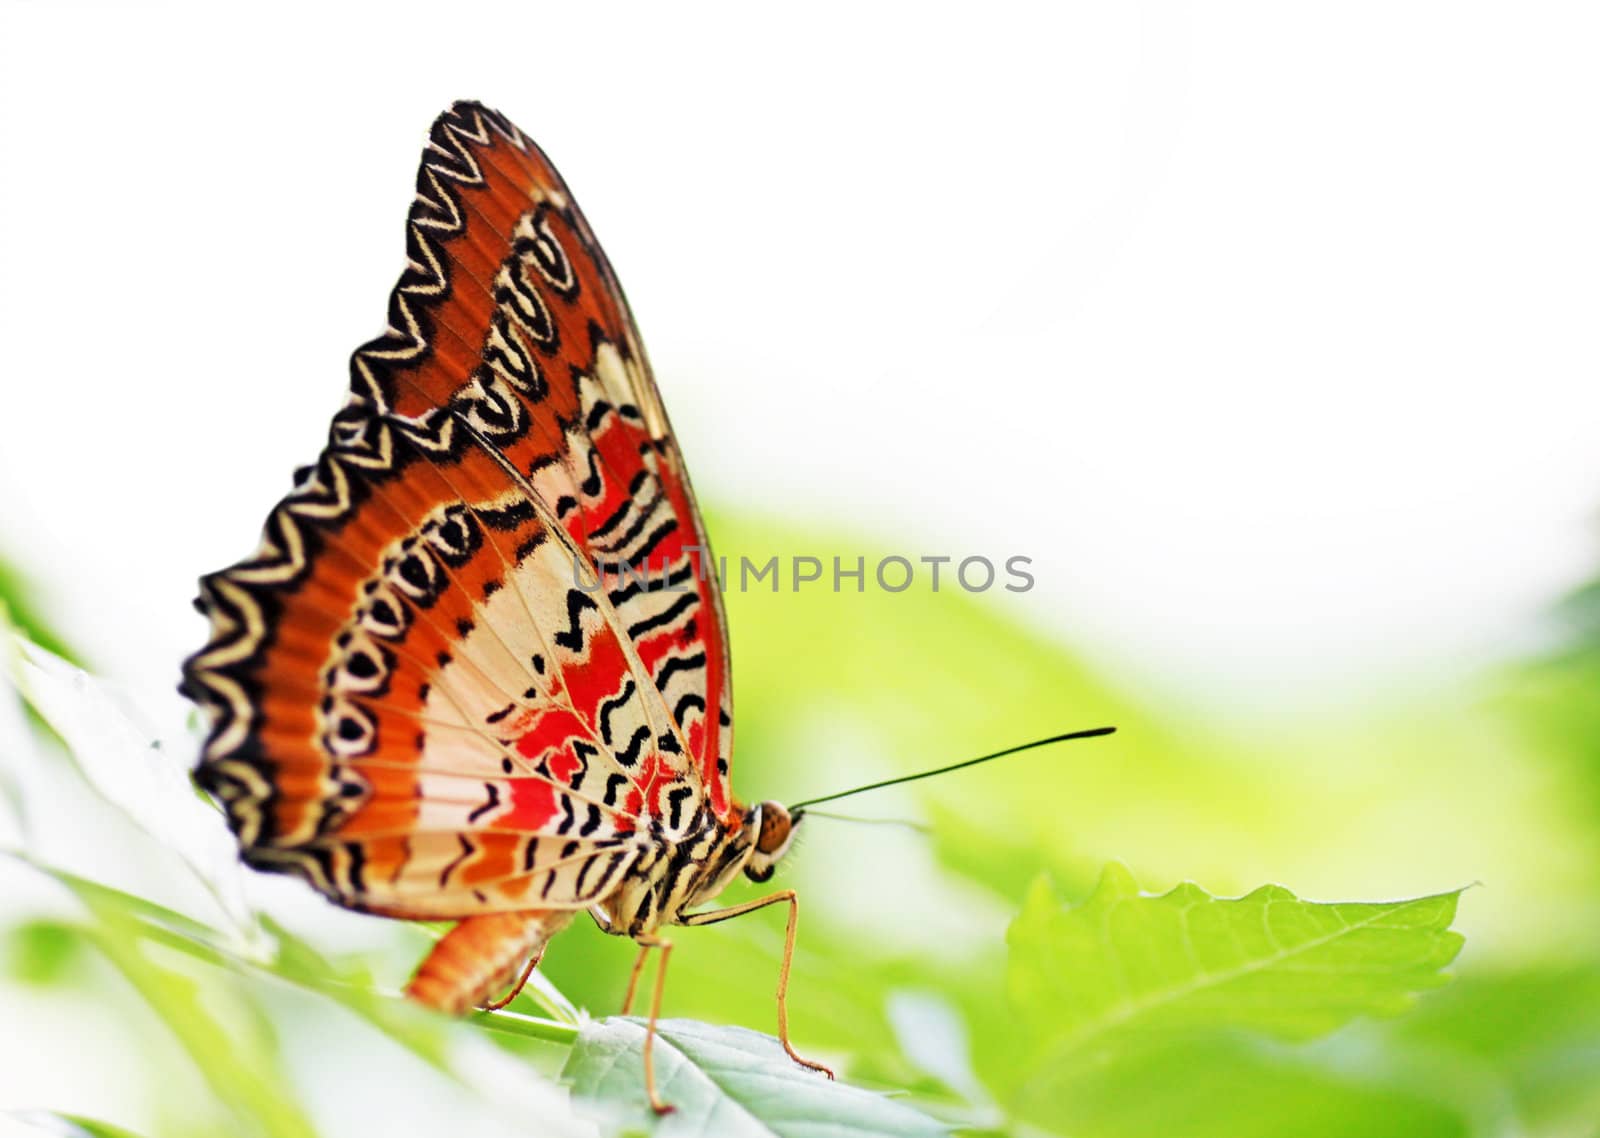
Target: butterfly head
(774,830)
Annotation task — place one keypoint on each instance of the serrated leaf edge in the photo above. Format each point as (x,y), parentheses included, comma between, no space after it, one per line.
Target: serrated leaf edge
(1117,885)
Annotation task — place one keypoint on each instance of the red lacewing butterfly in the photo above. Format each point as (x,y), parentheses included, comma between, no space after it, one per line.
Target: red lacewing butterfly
(417,700)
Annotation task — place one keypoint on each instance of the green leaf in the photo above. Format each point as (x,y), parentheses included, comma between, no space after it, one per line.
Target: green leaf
(40,952)
(726,1081)
(1225,1084)
(1137,1009)
(1123,966)
(145,777)
(69,1125)
(242,1067)
(18,608)
(1529,1037)
(137,921)
(507,1022)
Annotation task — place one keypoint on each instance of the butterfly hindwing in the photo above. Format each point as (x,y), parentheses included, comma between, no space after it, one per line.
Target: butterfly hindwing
(423,695)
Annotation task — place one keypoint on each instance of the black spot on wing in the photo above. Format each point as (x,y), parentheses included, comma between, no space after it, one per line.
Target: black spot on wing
(591,485)
(607,707)
(467,850)
(571,637)
(639,556)
(629,755)
(489,804)
(584,751)
(526,548)
(666,616)
(675,801)
(357,869)
(507,518)
(676,664)
(497,716)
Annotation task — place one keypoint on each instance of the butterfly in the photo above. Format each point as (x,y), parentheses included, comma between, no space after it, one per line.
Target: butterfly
(423,695)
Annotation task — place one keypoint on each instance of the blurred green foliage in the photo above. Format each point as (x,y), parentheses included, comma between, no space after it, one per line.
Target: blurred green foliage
(18,606)
(901,978)
(1553,696)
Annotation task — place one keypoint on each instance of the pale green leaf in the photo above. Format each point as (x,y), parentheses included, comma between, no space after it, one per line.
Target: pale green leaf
(1226,1084)
(236,1054)
(145,776)
(933,1036)
(1123,966)
(726,1081)
(68,1125)
(1527,1036)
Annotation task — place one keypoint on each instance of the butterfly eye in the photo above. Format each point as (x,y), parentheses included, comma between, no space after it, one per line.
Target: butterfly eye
(776,826)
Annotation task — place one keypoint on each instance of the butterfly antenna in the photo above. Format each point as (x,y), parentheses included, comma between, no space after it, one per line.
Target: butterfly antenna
(919,827)
(1090,734)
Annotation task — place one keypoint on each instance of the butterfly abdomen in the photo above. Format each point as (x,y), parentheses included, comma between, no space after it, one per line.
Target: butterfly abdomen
(481,957)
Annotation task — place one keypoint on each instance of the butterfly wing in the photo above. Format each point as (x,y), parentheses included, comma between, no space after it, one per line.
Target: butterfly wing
(418,698)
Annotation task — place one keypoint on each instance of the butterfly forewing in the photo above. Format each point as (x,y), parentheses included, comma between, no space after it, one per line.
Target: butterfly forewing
(478,654)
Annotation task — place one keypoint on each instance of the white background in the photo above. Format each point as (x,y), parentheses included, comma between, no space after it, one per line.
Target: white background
(1267,330)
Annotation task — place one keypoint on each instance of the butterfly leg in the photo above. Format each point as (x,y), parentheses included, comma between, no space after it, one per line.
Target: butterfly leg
(655,1013)
(787,895)
(522,981)
(633,979)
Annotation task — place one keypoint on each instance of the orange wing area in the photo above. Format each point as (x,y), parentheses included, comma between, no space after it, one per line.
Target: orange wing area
(418,699)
